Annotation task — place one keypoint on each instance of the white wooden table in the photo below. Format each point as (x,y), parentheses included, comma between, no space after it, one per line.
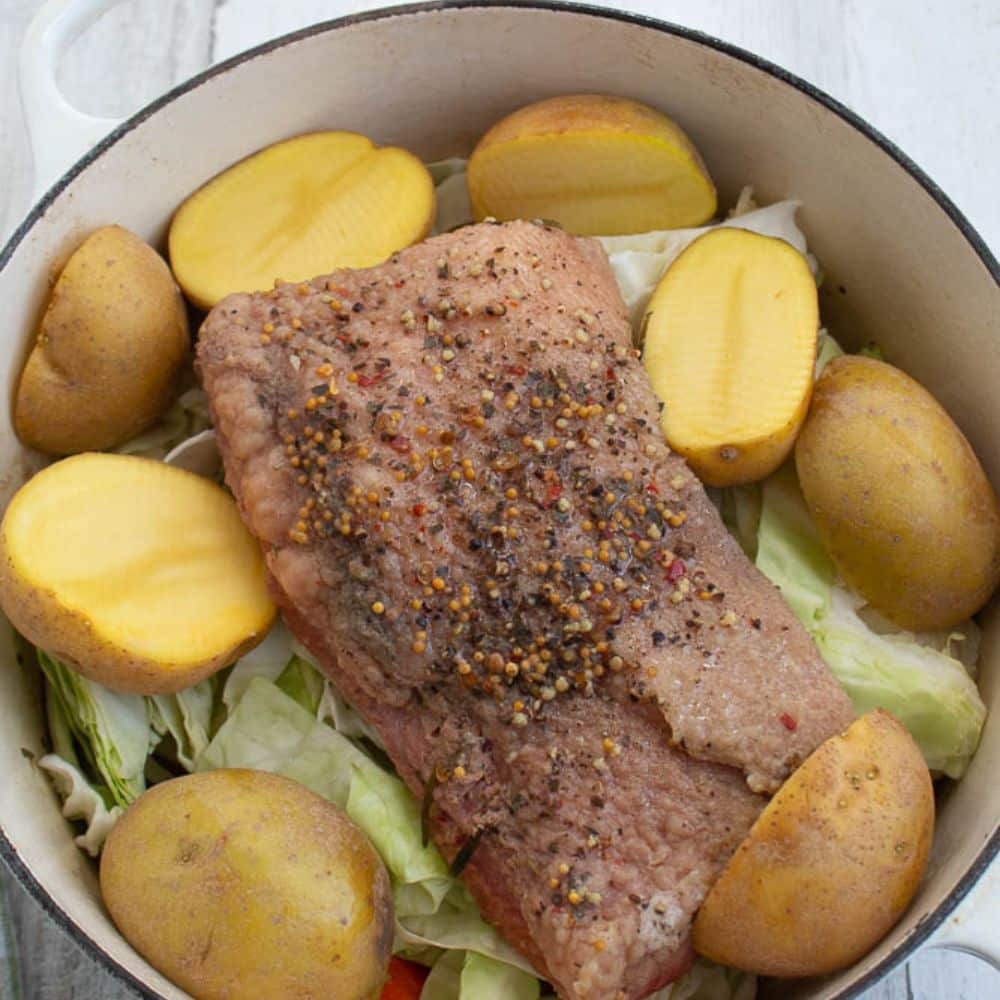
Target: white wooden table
(925,72)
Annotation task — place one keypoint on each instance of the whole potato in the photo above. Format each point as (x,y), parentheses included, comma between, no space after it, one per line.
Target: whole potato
(900,499)
(110,346)
(831,863)
(239,884)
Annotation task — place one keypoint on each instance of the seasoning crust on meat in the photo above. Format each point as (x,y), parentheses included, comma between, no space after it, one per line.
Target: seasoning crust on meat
(453,462)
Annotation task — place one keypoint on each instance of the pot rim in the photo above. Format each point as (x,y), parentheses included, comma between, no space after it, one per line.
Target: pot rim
(991,849)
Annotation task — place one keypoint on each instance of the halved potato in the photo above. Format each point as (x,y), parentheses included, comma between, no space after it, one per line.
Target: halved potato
(298,209)
(730,343)
(832,862)
(110,348)
(140,575)
(593,163)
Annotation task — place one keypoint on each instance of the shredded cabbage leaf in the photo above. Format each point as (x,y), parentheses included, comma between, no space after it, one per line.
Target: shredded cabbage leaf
(187,418)
(640,261)
(461,975)
(267,659)
(826,350)
(334,709)
(486,978)
(187,717)
(303,685)
(453,208)
(708,981)
(113,731)
(918,678)
(82,800)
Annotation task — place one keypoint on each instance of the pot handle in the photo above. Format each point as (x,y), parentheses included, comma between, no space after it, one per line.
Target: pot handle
(975,926)
(59,133)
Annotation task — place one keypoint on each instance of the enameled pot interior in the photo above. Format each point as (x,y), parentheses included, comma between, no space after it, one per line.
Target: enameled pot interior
(898,269)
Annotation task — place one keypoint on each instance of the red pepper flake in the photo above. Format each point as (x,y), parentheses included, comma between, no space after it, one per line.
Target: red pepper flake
(676,570)
(651,488)
(788,722)
(609,375)
(400,443)
(418,510)
(553,493)
(366,381)
(516,370)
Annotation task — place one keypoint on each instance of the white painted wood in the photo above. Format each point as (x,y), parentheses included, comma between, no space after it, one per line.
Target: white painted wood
(15,164)
(923,71)
(147,46)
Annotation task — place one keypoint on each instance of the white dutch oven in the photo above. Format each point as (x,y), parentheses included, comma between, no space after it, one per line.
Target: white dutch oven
(902,266)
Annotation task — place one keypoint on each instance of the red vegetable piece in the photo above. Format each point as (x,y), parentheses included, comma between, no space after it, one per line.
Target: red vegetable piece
(406,980)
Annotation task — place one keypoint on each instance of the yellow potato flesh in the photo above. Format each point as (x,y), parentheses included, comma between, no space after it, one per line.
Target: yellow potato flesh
(900,499)
(730,343)
(832,862)
(139,574)
(238,883)
(594,164)
(298,209)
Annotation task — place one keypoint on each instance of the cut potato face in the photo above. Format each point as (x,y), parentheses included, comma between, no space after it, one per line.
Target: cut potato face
(900,499)
(239,883)
(298,209)
(593,163)
(140,575)
(832,862)
(730,343)
(110,347)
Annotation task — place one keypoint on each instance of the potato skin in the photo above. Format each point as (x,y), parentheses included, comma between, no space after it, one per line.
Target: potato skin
(110,346)
(238,883)
(832,862)
(45,622)
(900,499)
